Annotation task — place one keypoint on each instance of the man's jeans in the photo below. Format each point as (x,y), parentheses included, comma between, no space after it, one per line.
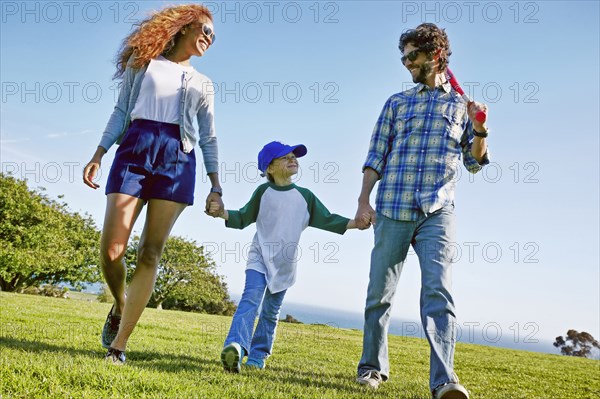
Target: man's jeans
(255,292)
(431,237)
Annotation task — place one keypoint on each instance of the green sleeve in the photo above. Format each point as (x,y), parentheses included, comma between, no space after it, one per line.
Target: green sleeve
(320,217)
(248,214)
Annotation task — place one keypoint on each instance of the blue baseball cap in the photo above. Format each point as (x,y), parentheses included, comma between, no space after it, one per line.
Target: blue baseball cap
(274,150)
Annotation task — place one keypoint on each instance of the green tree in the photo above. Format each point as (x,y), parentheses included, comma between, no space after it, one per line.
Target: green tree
(186,280)
(576,344)
(41,241)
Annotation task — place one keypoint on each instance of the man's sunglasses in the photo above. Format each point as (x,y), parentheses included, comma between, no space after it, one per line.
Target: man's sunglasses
(410,56)
(207,30)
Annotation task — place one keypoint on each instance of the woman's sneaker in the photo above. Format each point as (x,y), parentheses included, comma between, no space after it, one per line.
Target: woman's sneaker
(115,356)
(231,357)
(110,329)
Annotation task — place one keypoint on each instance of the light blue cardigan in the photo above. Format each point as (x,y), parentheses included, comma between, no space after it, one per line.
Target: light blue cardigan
(197,101)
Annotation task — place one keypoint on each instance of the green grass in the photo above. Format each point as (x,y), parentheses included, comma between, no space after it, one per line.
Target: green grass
(50,349)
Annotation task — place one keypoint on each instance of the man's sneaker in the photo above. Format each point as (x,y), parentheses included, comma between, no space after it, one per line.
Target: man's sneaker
(110,329)
(451,391)
(115,356)
(231,357)
(370,378)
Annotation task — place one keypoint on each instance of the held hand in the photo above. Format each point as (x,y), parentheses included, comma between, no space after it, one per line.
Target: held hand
(213,209)
(214,205)
(365,216)
(366,219)
(89,173)
(472,109)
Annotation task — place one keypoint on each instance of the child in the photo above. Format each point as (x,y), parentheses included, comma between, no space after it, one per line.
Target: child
(281,211)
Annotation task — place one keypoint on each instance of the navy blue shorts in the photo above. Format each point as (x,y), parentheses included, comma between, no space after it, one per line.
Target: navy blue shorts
(150,164)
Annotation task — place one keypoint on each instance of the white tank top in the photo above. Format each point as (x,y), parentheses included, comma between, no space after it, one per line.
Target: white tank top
(160,91)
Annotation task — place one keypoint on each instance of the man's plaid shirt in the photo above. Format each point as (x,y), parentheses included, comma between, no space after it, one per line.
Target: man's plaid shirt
(416,147)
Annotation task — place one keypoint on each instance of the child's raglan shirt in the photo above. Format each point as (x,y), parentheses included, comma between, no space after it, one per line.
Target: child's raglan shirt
(281,214)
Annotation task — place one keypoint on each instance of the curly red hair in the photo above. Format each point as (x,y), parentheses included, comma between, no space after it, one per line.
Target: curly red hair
(156,35)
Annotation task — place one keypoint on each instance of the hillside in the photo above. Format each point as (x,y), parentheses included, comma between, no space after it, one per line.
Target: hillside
(50,349)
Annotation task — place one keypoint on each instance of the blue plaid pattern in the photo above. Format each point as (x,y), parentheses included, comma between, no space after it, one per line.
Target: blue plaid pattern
(416,147)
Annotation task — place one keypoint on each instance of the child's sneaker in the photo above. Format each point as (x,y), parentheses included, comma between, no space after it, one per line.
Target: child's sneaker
(115,356)
(231,357)
(255,364)
(110,329)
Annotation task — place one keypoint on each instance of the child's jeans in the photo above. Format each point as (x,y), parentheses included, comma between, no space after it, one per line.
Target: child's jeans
(255,292)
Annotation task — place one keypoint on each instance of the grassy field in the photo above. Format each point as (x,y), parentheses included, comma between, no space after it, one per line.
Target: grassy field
(50,349)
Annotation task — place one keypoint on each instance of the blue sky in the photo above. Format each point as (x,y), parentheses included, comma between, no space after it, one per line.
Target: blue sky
(318,73)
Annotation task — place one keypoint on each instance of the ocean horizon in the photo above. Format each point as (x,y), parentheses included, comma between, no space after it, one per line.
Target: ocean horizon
(491,335)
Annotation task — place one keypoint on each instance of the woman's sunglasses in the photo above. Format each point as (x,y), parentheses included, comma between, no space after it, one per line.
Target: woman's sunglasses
(410,56)
(207,30)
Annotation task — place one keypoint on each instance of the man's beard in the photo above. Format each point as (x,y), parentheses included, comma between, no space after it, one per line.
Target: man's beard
(424,71)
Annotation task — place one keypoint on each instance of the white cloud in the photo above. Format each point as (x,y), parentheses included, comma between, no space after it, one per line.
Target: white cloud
(61,135)
(57,135)
(13,141)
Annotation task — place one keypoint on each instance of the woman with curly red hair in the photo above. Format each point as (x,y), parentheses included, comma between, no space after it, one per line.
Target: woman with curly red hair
(160,96)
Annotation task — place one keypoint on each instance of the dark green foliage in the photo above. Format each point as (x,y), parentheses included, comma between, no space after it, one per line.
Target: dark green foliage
(42,241)
(187,279)
(290,319)
(578,344)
